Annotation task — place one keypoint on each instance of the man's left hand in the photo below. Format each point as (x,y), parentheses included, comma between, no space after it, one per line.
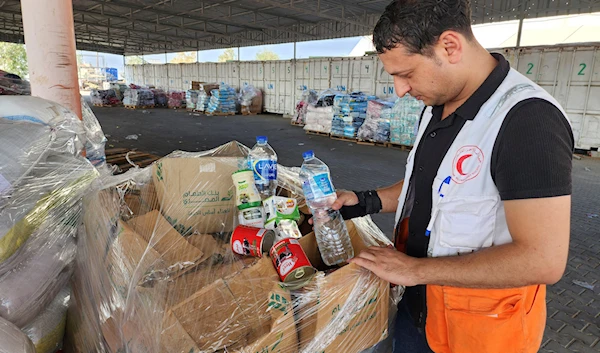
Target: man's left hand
(390,265)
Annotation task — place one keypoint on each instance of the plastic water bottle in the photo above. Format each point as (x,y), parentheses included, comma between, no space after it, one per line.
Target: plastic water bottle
(262,159)
(330,230)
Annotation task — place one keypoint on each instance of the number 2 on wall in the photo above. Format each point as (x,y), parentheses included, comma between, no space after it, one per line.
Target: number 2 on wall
(583,66)
(530,68)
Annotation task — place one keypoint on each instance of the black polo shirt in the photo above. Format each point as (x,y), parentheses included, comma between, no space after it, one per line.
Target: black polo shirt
(531,158)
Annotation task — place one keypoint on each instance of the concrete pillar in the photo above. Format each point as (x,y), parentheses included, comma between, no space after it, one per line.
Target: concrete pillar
(51,53)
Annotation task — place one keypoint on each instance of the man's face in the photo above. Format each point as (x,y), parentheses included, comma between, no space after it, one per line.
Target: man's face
(423,77)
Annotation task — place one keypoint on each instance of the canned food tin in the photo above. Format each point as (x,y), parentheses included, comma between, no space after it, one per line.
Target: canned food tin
(290,261)
(249,241)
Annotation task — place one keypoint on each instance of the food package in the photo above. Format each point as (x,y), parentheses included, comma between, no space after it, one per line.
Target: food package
(105,97)
(161,99)
(177,99)
(222,100)
(43,177)
(250,99)
(350,111)
(376,127)
(155,271)
(138,98)
(404,120)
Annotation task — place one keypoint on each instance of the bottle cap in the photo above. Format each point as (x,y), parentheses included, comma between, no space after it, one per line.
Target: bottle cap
(308,154)
(261,139)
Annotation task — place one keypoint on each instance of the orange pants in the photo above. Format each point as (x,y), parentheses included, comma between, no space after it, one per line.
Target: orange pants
(463,320)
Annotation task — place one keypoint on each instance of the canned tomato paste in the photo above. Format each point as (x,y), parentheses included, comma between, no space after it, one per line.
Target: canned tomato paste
(249,241)
(290,261)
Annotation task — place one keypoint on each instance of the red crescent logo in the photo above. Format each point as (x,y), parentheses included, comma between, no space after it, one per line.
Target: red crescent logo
(459,163)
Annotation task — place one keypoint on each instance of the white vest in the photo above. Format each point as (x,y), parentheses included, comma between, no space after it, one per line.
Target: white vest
(467,213)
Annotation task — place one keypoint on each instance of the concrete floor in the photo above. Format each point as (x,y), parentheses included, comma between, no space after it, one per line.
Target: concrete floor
(573,311)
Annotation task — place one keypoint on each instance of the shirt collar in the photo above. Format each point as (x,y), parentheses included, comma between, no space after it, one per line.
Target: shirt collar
(469,109)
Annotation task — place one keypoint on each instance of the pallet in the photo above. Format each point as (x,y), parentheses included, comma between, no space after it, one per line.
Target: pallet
(343,138)
(371,143)
(296,124)
(136,107)
(399,146)
(118,157)
(177,108)
(318,133)
(219,114)
(105,105)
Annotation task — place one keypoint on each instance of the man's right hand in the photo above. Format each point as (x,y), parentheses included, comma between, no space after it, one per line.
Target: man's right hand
(345,198)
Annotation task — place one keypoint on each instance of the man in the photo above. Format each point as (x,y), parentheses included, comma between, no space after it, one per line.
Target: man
(483,213)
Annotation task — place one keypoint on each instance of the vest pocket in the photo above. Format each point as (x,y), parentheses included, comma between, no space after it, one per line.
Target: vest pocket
(485,320)
(467,224)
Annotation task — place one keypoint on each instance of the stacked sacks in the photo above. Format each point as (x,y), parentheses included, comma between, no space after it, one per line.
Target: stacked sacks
(222,100)
(192,99)
(160,97)
(177,99)
(105,97)
(376,127)
(43,177)
(166,280)
(138,98)
(319,117)
(203,99)
(309,97)
(350,111)
(404,121)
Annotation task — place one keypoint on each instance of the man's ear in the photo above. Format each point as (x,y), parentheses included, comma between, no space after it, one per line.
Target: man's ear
(450,46)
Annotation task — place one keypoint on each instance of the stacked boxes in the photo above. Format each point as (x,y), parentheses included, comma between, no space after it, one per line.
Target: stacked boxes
(350,111)
(405,120)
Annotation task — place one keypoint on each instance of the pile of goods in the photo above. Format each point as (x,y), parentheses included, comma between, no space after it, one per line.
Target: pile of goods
(250,99)
(161,99)
(404,120)
(376,127)
(211,252)
(222,100)
(350,111)
(13,85)
(192,99)
(138,98)
(177,99)
(44,177)
(309,97)
(319,117)
(104,97)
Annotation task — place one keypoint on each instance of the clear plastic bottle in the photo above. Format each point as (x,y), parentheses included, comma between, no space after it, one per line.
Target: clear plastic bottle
(262,159)
(330,230)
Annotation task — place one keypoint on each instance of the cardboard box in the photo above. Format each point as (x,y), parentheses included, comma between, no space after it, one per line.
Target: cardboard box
(141,201)
(178,254)
(207,87)
(341,290)
(197,194)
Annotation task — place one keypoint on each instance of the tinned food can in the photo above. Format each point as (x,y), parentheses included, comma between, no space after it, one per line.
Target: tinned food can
(291,261)
(250,241)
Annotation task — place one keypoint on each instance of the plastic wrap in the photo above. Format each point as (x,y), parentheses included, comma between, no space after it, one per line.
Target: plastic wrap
(309,97)
(176,99)
(376,127)
(43,177)
(47,330)
(222,100)
(250,99)
(350,111)
(160,97)
(13,85)
(105,97)
(404,120)
(155,271)
(138,98)
(95,139)
(14,340)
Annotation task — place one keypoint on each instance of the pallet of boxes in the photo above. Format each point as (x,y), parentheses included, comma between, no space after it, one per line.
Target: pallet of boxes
(166,266)
(251,100)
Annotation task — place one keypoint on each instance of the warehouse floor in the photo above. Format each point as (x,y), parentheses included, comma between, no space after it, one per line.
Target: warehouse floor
(573,310)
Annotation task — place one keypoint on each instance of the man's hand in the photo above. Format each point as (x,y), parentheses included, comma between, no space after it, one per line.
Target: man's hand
(390,265)
(345,198)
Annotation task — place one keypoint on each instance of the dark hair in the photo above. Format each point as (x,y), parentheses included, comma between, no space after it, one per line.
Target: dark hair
(417,24)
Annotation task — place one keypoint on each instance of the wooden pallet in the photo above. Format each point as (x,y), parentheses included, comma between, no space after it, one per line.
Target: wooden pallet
(118,157)
(371,143)
(343,138)
(136,107)
(319,133)
(105,105)
(399,146)
(220,114)
(296,124)
(177,108)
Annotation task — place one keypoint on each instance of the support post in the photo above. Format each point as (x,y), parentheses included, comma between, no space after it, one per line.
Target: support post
(51,53)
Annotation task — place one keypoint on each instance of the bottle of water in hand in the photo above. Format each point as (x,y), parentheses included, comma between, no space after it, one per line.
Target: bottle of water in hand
(262,159)
(330,229)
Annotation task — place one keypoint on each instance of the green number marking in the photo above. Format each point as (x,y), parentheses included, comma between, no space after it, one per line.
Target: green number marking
(289,70)
(367,67)
(325,68)
(260,70)
(530,68)
(583,66)
(337,68)
(273,69)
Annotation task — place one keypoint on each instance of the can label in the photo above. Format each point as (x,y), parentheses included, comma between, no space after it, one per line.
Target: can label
(249,241)
(290,260)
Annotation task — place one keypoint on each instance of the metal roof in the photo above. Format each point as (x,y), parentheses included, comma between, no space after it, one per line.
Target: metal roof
(157,26)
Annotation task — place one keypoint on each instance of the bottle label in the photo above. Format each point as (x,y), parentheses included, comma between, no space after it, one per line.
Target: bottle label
(265,170)
(320,186)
